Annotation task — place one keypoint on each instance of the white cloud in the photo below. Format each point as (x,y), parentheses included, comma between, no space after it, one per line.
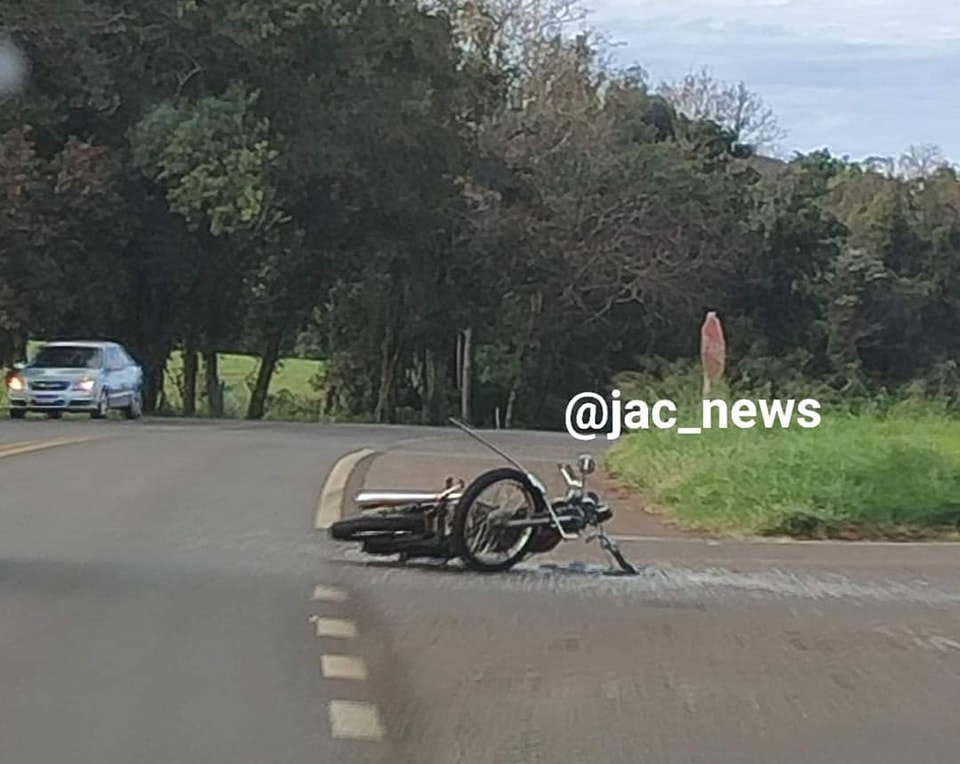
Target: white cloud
(858,76)
(878,22)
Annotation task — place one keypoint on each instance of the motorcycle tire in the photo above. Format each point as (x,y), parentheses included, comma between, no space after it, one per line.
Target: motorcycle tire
(470,495)
(363,528)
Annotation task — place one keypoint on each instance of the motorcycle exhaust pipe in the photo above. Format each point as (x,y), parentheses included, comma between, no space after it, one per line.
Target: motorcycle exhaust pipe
(399,498)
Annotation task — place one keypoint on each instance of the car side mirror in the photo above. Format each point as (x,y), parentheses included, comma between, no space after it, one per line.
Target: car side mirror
(20,366)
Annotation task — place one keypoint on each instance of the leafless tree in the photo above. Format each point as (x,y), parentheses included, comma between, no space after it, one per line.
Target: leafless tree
(920,162)
(700,95)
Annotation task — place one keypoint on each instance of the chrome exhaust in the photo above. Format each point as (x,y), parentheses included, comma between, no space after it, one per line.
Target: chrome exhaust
(398,498)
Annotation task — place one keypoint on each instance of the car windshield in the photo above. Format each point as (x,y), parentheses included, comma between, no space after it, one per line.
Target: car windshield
(66,357)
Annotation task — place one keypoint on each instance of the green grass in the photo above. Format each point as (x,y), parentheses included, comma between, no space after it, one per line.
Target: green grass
(290,391)
(875,475)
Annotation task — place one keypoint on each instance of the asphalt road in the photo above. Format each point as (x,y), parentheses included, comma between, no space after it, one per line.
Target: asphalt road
(157,586)
(155,594)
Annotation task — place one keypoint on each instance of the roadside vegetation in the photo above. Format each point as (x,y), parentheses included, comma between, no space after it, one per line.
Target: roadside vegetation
(397,212)
(877,467)
(854,477)
(295,392)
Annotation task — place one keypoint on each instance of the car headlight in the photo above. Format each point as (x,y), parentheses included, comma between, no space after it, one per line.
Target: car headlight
(15,383)
(85,384)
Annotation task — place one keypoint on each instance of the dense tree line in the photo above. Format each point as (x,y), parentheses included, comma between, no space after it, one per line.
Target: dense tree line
(456,204)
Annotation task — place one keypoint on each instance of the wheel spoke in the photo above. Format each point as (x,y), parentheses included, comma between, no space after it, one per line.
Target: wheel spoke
(484,535)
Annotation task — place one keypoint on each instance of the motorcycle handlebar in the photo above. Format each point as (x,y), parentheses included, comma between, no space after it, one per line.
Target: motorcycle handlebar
(571,480)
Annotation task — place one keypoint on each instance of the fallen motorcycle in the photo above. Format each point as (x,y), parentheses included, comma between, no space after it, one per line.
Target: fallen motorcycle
(458,522)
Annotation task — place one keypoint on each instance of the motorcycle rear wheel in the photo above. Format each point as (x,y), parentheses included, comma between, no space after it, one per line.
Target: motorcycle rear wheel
(365,527)
(461,515)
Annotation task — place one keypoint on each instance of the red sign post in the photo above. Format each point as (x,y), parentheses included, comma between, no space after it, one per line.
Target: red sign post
(713,351)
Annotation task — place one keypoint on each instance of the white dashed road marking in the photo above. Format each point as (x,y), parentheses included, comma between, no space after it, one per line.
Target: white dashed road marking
(343,667)
(349,719)
(335,628)
(355,721)
(329,594)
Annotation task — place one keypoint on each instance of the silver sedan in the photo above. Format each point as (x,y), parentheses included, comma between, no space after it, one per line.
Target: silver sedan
(84,377)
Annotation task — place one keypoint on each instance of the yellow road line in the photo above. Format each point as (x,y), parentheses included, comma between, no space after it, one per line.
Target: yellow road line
(27,447)
(13,446)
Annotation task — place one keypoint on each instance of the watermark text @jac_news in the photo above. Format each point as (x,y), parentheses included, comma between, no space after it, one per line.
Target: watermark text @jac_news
(589,414)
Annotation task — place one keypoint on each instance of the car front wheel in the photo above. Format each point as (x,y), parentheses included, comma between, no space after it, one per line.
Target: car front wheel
(103,408)
(135,409)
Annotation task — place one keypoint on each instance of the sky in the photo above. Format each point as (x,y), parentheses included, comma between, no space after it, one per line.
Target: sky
(12,68)
(858,77)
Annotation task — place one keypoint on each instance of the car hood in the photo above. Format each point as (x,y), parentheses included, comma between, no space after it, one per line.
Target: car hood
(71,374)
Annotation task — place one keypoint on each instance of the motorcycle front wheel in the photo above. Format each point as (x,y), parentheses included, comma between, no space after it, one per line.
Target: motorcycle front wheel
(479,542)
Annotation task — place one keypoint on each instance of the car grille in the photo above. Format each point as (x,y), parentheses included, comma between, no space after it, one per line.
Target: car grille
(45,385)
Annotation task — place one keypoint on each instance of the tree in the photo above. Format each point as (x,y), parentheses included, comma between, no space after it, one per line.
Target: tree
(239,175)
(63,225)
(801,240)
(213,158)
(701,96)
(893,308)
(919,162)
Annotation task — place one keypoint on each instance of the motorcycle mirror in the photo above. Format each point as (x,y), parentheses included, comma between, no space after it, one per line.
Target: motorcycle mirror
(586,463)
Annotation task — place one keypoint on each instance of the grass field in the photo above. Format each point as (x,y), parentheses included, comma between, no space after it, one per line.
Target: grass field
(290,383)
(896,475)
(291,393)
